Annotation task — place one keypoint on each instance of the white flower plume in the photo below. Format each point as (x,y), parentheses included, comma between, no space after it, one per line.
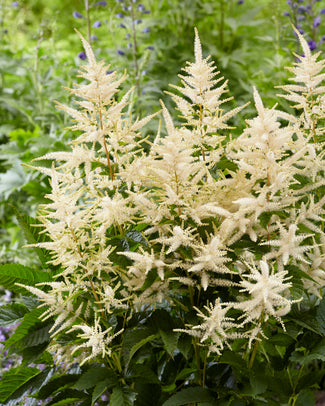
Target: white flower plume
(267,294)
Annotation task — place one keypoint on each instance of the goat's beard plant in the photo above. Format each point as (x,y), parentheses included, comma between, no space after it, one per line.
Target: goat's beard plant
(193,251)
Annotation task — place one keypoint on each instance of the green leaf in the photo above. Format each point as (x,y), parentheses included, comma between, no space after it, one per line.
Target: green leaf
(140,344)
(11,314)
(306,398)
(190,395)
(281,339)
(30,387)
(258,381)
(170,339)
(233,359)
(14,379)
(10,274)
(38,336)
(141,373)
(56,384)
(67,397)
(122,397)
(318,352)
(94,375)
(68,401)
(22,332)
(99,389)
(133,340)
(31,229)
(320,316)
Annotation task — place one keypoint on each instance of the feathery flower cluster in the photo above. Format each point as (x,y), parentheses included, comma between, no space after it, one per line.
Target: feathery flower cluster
(195,216)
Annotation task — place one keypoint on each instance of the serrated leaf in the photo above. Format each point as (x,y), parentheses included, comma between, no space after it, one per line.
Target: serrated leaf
(30,320)
(68,401)
(10,274)
(306,398)
(30,387)
(99,389)
(318,352)
(67,397)
(190,396)
(14,379)
(233,359)
(281,339)
(94,375)
(170,339)
(32,235)
(11,314)
(122,397)
(133,340)
(56,384)
(143,373)
(38,336)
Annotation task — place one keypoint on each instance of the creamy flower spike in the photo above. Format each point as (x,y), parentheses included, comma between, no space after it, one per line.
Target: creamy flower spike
(175,227)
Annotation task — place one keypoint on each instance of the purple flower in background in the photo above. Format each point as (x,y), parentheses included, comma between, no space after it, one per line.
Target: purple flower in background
(109,72)
(146,12)
(312,45)
(144,72)
(104,398)
(286,14)
(289,2)
(138,21)
(301,9)
(129,44)
(150,47)
(82,56)
(120,52)
(101,3)
(141,7)
(97,24)
(322,11)
(239,2)
(316,22)
(146,30)
(76,14)
(93,37)
(121,25)
(120,15)
(15,4)
(7,296)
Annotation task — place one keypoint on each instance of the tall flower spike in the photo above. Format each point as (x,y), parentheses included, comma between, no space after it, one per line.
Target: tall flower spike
(201,105)
(88,49)
(307,94)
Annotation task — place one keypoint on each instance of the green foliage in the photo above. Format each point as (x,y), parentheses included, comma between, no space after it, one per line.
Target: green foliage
(11,274)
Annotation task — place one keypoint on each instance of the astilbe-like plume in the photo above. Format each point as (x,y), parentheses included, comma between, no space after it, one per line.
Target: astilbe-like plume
(200,105)
(86,208)
(129,229)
